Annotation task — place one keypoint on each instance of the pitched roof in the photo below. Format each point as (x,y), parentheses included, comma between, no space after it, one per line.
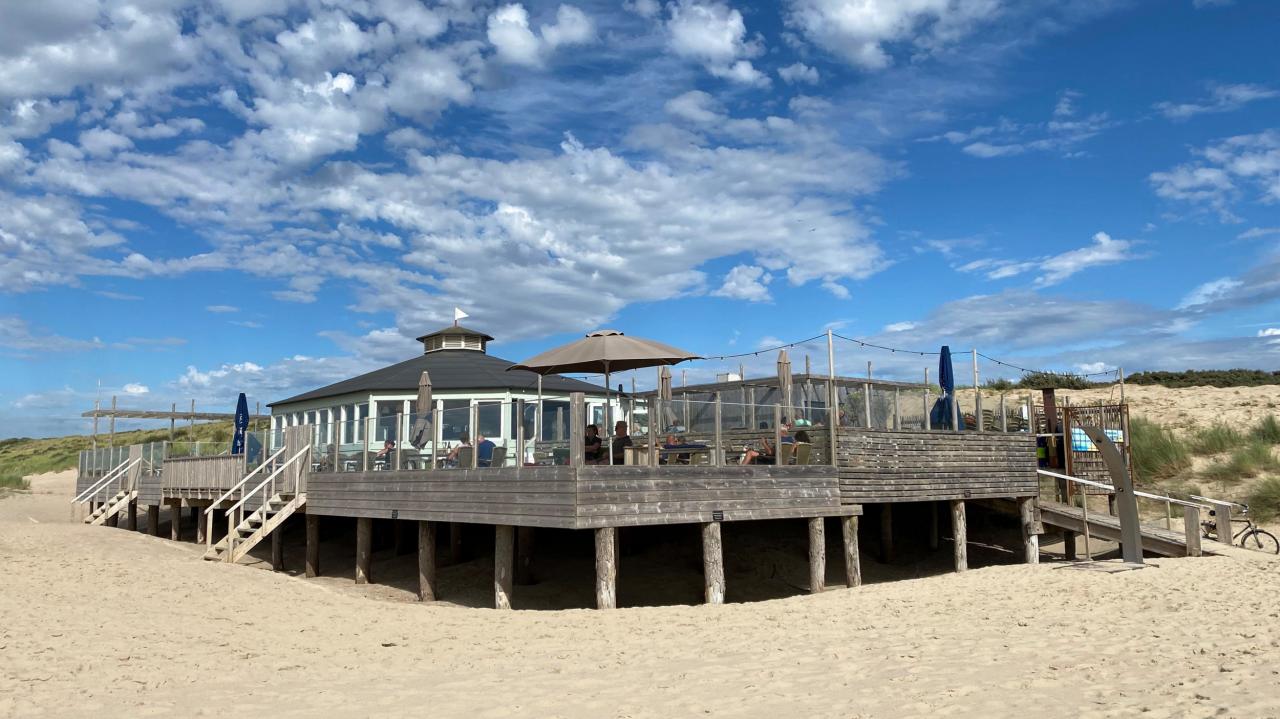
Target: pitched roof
(456,330)
(450,370)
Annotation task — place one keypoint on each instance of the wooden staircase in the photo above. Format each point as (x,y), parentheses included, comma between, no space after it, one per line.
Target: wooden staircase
(255,527)
(111,508)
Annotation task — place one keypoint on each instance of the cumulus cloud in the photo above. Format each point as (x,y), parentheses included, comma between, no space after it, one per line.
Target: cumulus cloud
(1223,171)
(511,35)
(746,282)
(799,72)
(715,34)
(135,389)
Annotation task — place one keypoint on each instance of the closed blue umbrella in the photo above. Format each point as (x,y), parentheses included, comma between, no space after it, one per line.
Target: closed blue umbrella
(242,424)
(940,415)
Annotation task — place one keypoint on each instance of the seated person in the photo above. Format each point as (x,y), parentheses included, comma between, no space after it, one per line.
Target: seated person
(387,455)
(768,454)
(621,440)
(484,451)
(674,442)
(463,441)
(593,446)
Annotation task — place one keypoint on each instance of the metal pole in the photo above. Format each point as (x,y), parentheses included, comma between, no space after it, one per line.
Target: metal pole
(977,393)
(537,415)
(833,397)
(1120,371)
(97,406)
(928,423)
(717,456)
(1004,417)
(113,422)
(191,427)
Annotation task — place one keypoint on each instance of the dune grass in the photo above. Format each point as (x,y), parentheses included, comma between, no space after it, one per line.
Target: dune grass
(1251,460)
(13,481)
(1264,500)
(1157,453)
(1215,439)
(1267,430)
(21,457)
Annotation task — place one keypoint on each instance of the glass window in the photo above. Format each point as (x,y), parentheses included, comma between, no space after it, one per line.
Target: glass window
(387,411)
(551,411)
(490,419)
(348,416)
(362,421)
(454,419)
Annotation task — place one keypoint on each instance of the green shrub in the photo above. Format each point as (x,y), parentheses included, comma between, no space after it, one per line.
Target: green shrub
(998,385)
(1216,439)
(1264,500)
(1266,430)
(1207,378)
(1054,380)
(1250,460)
(1157,453)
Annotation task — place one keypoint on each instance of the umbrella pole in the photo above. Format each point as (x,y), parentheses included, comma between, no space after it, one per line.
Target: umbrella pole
(608,405)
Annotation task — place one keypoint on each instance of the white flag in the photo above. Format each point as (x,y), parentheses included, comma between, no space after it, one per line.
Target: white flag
(459,314)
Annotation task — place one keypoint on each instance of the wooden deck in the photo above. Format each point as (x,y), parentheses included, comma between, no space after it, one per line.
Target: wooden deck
(587,497)
(1164,542)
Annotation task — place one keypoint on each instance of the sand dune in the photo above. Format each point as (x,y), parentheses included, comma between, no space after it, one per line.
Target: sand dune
(105,622)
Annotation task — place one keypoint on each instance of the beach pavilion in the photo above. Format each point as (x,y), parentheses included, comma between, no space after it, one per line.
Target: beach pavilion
(367,410)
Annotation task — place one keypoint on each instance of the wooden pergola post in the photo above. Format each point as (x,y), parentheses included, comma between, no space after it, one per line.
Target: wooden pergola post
(713,563)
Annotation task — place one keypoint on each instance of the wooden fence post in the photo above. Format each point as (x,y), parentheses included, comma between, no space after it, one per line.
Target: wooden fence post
(1191,528)
(1030,540)
(1222,514)
(712,563)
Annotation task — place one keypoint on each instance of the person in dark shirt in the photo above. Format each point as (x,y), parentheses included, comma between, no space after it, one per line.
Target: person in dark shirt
(768,454)
(593,449)
(621,440)
(388,454)
(484,451)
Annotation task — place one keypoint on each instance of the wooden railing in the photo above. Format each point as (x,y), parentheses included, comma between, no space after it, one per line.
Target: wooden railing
(204,474)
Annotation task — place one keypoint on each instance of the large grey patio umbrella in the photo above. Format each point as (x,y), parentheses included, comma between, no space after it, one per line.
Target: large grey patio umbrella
(668,417)
(422,427)
(784,381)
(604,351)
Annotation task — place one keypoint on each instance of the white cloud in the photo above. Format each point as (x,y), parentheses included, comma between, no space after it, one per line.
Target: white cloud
(716,35)
(746,282)
(1255,232)
(1094,367)
(99,141)
(513,38)
(135,389)
(1054,269)
(1209,292)
(221,308)
(695,106)
(1222,98)
(799,73)
(860,32)
(18,336)
(643,8)
(899,326)
(1269,332)
(1216,180)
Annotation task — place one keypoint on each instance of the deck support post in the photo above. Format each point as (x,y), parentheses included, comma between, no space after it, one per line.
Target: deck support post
(959,535)
(364,549)
(153,520)
(426,561)
(132,523)
(1069,545)
(852,563)
(504,550)
(455,543)
(313,545)
(1030,539)
(606,568)
(817,555)
(175,519)
(277,549)
(886,533)
(712,563)
(1191,522)
(524,555)
(201,527)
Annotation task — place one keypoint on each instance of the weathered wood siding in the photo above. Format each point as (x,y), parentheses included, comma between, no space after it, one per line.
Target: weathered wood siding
(625,496)
(524,496)
(911,466)
(201,477)
(149,491)
(581,497)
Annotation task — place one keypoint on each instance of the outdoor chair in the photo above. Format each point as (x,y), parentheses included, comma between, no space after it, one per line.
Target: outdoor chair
(804,451)
(499,457)
(464,457)
(784,453)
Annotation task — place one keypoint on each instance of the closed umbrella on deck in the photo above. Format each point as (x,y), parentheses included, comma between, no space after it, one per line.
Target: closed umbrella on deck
(668,417)
(604,351)
(943,410)
(422,431)
(241,424)
(784,382)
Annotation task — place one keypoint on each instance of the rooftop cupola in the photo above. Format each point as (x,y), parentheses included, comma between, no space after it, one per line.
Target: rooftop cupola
(454,337)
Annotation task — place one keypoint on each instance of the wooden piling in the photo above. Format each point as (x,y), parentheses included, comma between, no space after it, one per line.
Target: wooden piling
(1191,525)
(1222,515)
(427,561)
(504,549)
(1030,539)
(959,535)
(364,549)
(313,545)
(201,527)
(712,563)
(153,520)
(132,523)
(455,543)
(817,556)
(277,549)
(524,556)
(175,519)
(934,520)
(852,563)
(606,568)
(886,533)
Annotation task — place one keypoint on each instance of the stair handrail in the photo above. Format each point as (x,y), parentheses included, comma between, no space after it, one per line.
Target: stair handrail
(267,462)
(1148,495)
(234,519)
(98,486)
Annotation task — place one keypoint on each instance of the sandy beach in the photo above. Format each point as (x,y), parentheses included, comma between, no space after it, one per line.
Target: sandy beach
(107,622)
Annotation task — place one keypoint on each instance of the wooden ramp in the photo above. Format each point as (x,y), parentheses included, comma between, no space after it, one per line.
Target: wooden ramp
(1165,542)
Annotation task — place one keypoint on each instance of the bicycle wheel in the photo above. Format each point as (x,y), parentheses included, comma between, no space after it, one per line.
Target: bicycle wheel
(1261,540)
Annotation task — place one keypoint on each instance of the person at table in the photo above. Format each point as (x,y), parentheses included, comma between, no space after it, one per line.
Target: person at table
(463,441)
(674,442)
(621,440)
(593,445)
(768,454)
(484,451)
(387,455)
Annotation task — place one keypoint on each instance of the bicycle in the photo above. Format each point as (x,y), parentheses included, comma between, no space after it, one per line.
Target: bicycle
(1250,537)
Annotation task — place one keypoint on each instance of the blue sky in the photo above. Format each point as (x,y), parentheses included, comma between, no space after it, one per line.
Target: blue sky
(203,198)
